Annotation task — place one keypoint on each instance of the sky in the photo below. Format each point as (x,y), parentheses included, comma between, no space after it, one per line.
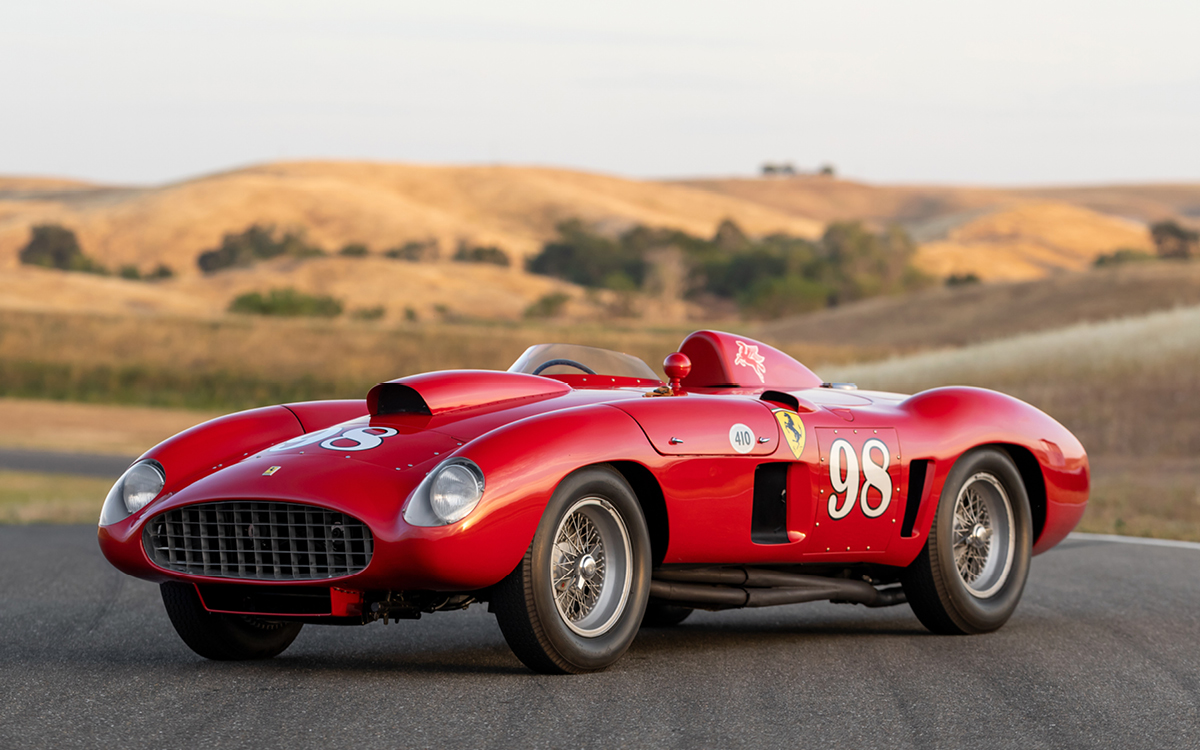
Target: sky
(1013,93)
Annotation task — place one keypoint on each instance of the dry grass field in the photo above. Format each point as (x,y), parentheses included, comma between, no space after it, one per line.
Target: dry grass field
(954,316)
(239,362)
(1128,388)
(50,498)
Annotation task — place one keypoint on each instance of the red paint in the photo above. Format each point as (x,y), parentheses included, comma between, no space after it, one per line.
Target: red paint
(529,432)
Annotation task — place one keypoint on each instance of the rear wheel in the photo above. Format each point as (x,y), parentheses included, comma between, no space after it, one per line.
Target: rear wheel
(972,571)
(575,601)
(224,637)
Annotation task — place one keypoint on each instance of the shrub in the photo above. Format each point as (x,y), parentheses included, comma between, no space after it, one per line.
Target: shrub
(287,302)
(354,250)
(490,254)
(368,313)
(415,252)
(962,279)
(1122,256)
(130,272)
(161,272)
(254,244)
(548,305)
(55,246)
(410,315)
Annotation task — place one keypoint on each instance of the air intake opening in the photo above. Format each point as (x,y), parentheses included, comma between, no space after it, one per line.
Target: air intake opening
(917,473)
(768,521)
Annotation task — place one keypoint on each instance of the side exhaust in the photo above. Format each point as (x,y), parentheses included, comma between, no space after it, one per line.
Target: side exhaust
(733,588)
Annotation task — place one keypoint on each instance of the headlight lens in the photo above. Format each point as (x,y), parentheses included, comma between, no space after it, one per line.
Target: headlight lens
(143,482)
(140,484)
(455,491)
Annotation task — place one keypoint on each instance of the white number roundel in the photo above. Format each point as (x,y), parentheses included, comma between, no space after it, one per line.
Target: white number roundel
(364,439)
(741,438)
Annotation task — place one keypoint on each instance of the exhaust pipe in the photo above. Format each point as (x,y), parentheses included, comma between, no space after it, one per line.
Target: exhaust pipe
(733,588)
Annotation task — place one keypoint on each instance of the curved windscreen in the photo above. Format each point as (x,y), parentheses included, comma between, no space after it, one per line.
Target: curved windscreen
(599,361)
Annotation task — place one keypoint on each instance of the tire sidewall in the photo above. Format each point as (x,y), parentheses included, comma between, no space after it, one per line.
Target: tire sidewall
(971,613)
(582,652)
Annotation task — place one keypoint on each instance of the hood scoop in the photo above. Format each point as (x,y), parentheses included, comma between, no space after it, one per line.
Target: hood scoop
(434,393)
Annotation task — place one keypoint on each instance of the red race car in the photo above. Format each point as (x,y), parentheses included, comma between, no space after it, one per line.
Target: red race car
(582,498)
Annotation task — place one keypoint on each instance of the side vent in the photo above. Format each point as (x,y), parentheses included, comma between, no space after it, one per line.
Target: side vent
(768,521)
(918,472)
(397,398)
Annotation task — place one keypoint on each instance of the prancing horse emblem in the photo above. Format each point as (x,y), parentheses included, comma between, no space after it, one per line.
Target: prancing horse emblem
(748,356)
(793,430)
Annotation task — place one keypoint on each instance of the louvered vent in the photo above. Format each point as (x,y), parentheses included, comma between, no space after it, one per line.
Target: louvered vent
(258,541)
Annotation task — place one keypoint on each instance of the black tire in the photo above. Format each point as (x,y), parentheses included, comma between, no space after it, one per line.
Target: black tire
(661,614)
(529,608)
(223,637)
(937,584)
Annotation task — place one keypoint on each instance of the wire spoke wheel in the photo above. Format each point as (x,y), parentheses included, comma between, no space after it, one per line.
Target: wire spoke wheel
(983,539)
(590,566)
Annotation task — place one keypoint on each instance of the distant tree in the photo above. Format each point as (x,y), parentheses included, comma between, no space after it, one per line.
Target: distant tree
(287,302)
(548,305)
(1175,241)
(130,272)
(827,170)
(253,244)
(55,246)
(354,250)
(490,254)
(730,237)
(368,313)
(1121,257)
(962,279)
(161,272)
(415,252)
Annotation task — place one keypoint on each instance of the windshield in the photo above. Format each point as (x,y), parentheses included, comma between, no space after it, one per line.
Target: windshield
(536,359)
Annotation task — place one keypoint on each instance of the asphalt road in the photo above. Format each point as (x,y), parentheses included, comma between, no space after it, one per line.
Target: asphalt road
(1104,651)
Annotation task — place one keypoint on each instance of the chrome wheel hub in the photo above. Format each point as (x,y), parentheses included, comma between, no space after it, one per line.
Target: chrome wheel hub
(984,541)
(591,567)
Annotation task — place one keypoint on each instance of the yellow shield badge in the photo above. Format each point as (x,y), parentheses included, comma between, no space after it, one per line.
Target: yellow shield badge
(793,430)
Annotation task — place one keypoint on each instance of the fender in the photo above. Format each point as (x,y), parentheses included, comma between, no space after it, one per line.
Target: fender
(522,463)
(968,418)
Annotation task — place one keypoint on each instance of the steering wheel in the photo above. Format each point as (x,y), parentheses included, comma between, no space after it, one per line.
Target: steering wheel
(568,362)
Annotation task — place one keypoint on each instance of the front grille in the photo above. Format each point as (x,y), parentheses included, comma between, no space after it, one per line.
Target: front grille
(261,541)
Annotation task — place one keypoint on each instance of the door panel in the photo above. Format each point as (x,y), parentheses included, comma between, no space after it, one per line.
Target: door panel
(858,490)
(706,425)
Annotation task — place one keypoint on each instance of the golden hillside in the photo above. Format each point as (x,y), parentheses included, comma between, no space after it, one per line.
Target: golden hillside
(381,205)
(1029,242)
(998,234)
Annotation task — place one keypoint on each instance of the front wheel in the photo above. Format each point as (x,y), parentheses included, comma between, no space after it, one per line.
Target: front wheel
(970,575)
(575,601)
(224,637)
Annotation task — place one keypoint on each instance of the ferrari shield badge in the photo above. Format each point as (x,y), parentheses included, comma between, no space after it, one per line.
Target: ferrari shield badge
(271,471)
(793,430)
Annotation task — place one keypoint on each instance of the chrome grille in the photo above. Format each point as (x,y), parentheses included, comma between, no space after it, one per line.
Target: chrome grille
(261,541)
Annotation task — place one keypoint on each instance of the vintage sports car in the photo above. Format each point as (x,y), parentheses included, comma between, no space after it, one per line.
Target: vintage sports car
(583,498)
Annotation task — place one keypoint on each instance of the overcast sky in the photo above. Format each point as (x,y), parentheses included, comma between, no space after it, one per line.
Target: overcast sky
(1014,92)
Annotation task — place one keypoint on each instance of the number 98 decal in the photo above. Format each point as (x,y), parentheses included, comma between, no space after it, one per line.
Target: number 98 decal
(872,490)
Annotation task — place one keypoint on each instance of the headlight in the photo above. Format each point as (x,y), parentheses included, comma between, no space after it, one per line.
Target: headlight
(140,484)
(448,494)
